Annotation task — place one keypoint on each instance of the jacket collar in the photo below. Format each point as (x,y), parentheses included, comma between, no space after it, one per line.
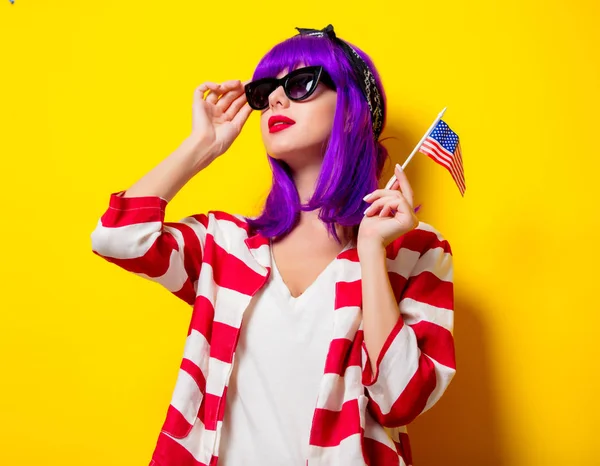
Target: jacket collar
(260,249)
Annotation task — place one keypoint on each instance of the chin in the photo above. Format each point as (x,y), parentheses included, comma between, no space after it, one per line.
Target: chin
(294,153)
(284,151)
(293,149)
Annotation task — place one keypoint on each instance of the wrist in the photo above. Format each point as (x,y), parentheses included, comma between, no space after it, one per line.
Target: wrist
(370,249)
(199,151)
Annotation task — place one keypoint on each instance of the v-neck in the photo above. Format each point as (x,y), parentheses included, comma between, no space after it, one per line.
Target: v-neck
(280,283)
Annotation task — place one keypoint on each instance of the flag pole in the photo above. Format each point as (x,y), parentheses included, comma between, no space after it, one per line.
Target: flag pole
(417,147)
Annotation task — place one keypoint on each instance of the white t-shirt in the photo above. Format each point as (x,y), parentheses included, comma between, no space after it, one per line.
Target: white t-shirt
(278,366)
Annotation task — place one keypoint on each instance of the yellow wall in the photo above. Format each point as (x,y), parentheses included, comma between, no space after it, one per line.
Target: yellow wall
(94,93)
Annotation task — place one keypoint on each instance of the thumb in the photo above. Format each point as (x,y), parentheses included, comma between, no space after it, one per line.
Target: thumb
(199,112)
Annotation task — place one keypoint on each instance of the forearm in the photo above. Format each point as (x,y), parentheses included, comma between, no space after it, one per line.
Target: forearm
(380,309)
(171,174)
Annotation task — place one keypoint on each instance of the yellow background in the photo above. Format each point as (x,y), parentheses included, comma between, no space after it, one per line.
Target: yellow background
(95,93)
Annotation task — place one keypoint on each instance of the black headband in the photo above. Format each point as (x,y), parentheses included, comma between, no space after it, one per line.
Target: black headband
(367,83)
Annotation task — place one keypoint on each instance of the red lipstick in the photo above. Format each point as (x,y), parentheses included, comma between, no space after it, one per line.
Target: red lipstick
(279,123)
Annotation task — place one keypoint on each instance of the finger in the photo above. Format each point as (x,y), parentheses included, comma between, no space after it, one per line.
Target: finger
(394,206)
(377,205)
(388,208)
(242,116)
(199,115)
(405,187)
(229,97)
(213,96)
(200,90)
(231,84)
(219,88)
(379,193)
(228,86)
(208,85)
(235,107)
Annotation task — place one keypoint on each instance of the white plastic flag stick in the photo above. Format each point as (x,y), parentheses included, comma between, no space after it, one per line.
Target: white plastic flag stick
(417,147)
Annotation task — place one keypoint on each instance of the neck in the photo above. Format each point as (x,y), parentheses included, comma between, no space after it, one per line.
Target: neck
(305,179)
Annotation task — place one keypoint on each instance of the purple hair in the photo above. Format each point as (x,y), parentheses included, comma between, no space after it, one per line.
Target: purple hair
(353,159)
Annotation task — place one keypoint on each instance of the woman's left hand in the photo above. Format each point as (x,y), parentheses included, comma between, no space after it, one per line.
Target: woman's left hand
(390,215)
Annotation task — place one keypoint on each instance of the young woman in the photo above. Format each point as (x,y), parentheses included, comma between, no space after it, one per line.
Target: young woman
(319,330)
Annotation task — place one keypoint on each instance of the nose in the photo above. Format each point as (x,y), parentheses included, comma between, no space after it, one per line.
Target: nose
(277,98)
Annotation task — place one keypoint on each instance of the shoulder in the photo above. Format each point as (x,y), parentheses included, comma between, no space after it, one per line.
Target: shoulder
(228,226)
(225,218)
(217,221)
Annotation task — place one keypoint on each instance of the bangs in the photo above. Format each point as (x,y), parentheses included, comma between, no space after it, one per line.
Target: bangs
(300,50)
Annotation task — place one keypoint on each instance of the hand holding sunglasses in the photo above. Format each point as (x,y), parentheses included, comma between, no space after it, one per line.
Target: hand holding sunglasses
(219,115)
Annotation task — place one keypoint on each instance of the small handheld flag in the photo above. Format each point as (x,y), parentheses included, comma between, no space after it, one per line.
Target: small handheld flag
(442,145)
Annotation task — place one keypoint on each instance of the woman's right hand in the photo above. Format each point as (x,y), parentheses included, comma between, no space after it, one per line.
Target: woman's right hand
(218,116)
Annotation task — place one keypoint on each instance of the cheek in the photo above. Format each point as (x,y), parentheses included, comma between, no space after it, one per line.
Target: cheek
(328,105)
(264,126)
(321,120)
(318,115)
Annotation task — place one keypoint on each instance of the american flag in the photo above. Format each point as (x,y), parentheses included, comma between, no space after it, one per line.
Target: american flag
(443,146)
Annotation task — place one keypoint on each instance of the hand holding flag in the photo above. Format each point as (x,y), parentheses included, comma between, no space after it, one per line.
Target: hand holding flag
(391,212)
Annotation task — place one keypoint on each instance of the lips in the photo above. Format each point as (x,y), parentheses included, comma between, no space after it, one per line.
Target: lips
(279,123)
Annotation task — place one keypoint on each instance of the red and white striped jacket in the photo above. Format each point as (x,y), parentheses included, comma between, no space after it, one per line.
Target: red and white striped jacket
(216,263)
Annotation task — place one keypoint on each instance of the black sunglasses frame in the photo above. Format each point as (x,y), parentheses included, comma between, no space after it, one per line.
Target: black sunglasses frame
(320,76)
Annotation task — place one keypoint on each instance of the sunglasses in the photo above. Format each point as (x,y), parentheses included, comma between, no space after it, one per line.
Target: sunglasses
(297,85)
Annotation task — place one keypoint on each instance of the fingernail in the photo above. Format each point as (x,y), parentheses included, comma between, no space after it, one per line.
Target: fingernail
(367,197)
(399,167)
(365,212)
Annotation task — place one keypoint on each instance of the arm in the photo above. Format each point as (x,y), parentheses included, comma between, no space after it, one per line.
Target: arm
(133,233)
(169,176)
(408,348)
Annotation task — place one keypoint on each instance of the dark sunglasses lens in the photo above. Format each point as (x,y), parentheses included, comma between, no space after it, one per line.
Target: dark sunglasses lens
(259,95)
(300,85)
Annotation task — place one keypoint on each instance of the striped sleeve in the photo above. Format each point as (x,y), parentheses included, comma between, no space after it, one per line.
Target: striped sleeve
(133,235)
(417,361)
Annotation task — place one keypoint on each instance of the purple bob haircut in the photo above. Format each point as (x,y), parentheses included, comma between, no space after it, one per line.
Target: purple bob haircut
(353,159)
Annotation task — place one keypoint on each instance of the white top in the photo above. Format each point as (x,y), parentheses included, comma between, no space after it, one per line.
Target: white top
(278,366)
